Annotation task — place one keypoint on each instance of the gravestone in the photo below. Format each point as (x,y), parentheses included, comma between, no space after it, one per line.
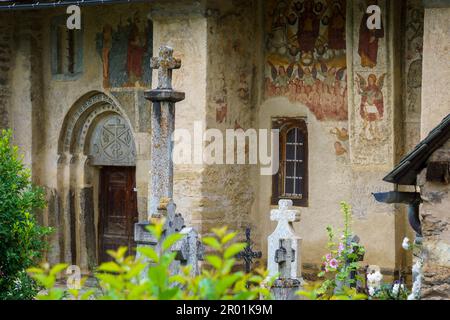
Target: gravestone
(189,250)
(285,288)
(353,241)
(161,206)
(284,256)
(284,253)
(285,217)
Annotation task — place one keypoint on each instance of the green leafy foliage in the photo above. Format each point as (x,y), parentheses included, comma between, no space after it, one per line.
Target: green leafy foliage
(340,266)
(148,277)
(315,292)
(22,239)
(393,291)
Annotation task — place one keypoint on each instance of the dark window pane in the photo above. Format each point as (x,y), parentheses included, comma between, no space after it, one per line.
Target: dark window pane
(71,53)
(291,136)
(290,152)
(300,152)
(290,167)
(299,169)
(300,136)
(289,186)
(298,187)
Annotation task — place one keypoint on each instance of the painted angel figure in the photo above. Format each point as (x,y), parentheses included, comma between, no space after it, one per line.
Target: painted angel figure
(281,75)
(372,104)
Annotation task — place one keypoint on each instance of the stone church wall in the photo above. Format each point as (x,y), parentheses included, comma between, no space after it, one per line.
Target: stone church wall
(230,79)
(184,28)
(435,106)
(218,74)
(5,67)
(436,232)
(436,66)
(40,103)
(349,154)
(233,48)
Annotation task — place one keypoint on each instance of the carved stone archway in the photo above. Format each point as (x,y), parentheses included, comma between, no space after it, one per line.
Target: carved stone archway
(96,132)
(112,143)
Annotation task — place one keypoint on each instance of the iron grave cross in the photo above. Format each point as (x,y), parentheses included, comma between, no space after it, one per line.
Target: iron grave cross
(248,254)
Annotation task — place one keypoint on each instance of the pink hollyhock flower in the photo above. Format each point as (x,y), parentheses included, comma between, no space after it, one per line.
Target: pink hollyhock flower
(334,263)
(328,257)
(341,247)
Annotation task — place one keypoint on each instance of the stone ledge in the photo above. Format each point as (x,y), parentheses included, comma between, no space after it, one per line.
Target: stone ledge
(436,3)
(164,95)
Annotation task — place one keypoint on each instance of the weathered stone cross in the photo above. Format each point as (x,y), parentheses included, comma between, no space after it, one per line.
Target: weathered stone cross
(188,250)
(284,254)
(165,63)
(163,125)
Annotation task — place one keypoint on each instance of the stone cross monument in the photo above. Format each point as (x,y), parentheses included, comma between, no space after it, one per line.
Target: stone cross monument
(284,231)
(163,125)
(284,253)
(188,250)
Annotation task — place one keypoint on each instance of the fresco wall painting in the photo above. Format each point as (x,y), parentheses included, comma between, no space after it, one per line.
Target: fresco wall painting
(371,112)
(412,71)
(125,50)
(306,55)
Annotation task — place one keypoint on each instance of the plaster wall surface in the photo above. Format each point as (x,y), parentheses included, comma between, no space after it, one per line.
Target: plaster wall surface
(436,68)
(222,74)
(436,232)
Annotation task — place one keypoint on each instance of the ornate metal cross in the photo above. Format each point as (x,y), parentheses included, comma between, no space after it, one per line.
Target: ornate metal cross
(165,63)
(248,254)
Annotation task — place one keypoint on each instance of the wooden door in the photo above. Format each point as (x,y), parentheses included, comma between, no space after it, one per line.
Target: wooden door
(118,210)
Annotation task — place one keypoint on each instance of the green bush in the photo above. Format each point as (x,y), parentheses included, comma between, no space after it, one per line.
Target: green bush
(21,238)
(149,278)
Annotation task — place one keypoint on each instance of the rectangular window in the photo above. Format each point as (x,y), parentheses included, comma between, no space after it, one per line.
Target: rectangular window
(66,50)
(291,181)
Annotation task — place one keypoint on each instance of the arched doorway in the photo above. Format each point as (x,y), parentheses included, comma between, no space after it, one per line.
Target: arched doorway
(96,181)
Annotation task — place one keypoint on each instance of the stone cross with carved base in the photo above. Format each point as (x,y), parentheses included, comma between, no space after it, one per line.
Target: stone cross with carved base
(189,250)
(284,253)
(284,233)
(163,125)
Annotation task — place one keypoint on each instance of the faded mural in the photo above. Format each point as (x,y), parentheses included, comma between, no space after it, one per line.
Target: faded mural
(126,50)
(371,120)
(341,145)
(372,105)
(412,71)
(368,39)
(231,90)
(306,55)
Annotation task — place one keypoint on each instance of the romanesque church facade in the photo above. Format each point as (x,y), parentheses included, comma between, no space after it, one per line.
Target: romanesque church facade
(353,97)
